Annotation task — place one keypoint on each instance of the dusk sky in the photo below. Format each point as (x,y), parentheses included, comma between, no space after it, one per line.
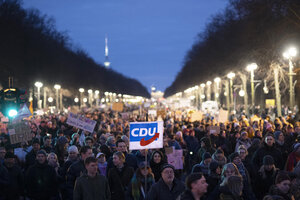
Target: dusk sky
(148,39)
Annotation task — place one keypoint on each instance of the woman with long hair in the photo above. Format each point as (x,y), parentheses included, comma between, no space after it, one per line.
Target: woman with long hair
(157,160)
(140,183)
(234,188)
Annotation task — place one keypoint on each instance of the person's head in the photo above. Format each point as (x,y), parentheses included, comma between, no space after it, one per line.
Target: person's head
(52,158)
(157,157)
(121,146)
(144,169)
(89,141)
(214,167)
(269,140)
(85,152)
(91,165)
(283,182)
(235,158)
(219,154)
(235,185)
(36,144)
(47,141)
(242,151)
(41,156)
(2,153)
(167,173)
(206,157)
(73,152)
(101,157)
(258,133)
(230,169)
(268,162)
(118,159)
(9,159)
(196,183)
(278,135)
(297,148)
(244,135)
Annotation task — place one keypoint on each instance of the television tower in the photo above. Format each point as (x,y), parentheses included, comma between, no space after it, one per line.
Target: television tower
(106,62)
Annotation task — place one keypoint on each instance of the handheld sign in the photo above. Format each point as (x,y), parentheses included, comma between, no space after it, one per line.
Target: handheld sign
(81,122)
(146,135)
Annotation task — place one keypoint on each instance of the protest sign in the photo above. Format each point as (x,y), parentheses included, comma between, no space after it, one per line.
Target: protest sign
(196,116)
(214,129)
(223,116)
(161,113)
(81,122)
(270,103)
(117,107)
(146,135)
(152,112)
(19,132)
(175,158)
(125,116)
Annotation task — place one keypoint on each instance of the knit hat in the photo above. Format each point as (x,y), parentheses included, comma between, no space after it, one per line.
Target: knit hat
(233,156)
(143,165)
(73,148)
(167,166)
(42,152)
(35,141)
(62,140)
(276,134)
(213,166)
(268,160)
(282,176)
(206,155)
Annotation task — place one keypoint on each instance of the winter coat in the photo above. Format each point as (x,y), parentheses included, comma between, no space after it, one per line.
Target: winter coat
(41,182)
(4,180)
(119,181)
(130,159)
(263,181)
(160,190)
(213,180)
(91,188)
(292,161)
(16,183)
(137,187)
(74,171)
(201,168)
(258,156)
(30,159)
(187,195)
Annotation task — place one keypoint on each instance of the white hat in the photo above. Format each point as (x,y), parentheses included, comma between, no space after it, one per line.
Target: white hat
(73,148)
(99,154)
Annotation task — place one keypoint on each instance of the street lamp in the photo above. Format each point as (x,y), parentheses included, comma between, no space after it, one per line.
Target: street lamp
(50,99)
(291,52)
(208,90)
(250,68)
(230,76)
(81,90)
(97,97)
(90,92)
(57,87)
(39,85)
(217,81)
(85,100)
(76,100)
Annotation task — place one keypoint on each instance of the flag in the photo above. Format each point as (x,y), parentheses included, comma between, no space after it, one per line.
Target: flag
(23,113)
(31,107)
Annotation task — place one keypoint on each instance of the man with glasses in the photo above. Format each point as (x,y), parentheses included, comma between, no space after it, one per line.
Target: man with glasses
(168,187)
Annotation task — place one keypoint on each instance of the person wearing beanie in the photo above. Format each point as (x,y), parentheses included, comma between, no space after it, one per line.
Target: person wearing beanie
(205,147)
(282,186)
(168,187)
(268,148)
(31,156)
(15,188)
(219,157)
(265,177)
(293,158)
(204,165)
(282,145)
(41,180)
(61,149)
(214,176)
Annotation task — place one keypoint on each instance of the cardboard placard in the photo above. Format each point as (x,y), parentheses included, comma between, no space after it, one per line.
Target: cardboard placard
(161,113)
(214,129)
(176,158)
(152,112)
(196,116)
(223,116)
(81,122)
(19,132)
(117,107)
(125,116)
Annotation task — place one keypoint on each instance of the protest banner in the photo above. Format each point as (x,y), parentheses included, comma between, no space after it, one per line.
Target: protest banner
(117,107)
(81,122)
(146,135)
(223,116)
(125,115)
(196,116)
(270,103)
(175,157)
(152,112)
(214,129)
(19,132)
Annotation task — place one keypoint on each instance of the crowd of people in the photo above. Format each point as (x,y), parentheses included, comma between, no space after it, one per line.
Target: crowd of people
(248,158)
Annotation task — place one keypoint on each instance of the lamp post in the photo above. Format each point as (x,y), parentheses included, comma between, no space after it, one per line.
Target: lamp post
(90,92)
(97,97)
(39,85)
(57,88)
(250,68)
(291,52)
(231,75)
(81,90)
(217,81)
(208,90)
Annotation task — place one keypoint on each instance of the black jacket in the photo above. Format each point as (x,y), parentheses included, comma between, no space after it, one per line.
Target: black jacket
(16,183)
(119,181)
(160,190)
(41,182)
(4,180)
(74,171)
